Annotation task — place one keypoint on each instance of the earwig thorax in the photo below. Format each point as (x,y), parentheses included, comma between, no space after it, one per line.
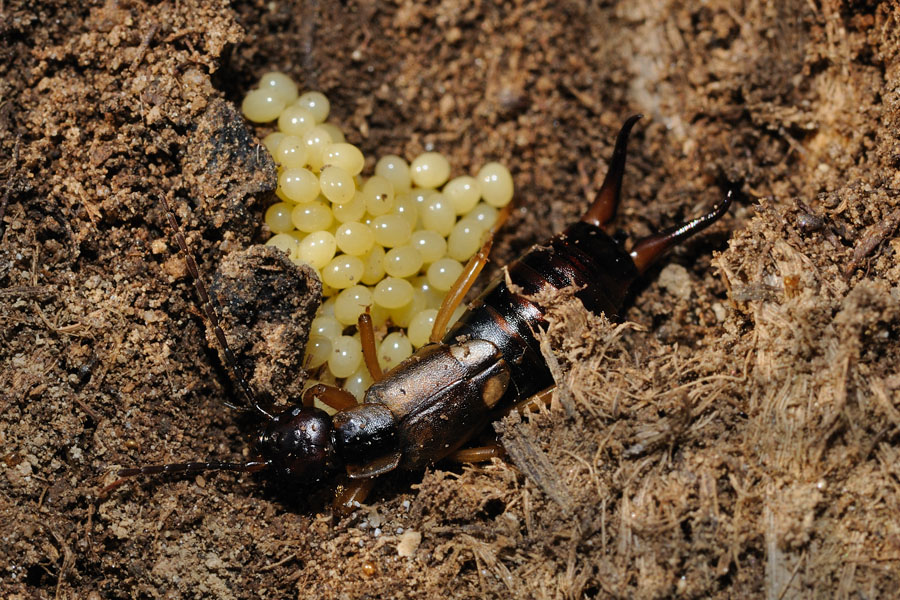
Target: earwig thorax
(365,432)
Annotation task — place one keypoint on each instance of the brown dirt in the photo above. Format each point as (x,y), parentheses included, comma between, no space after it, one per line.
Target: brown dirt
(740,436)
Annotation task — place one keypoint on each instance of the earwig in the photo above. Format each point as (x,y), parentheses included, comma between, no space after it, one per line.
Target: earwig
(428,406)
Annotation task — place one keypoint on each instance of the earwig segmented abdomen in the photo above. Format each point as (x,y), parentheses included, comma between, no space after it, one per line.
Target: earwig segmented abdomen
(584,257)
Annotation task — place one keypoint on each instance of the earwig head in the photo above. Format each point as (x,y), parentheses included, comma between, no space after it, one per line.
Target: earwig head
(298,444)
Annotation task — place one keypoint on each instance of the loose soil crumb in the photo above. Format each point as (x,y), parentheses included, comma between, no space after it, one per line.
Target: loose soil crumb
(738,436)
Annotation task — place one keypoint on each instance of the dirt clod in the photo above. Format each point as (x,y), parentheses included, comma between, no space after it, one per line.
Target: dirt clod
(267,304)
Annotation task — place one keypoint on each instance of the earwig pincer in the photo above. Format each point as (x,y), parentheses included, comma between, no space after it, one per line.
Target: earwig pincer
(428,406)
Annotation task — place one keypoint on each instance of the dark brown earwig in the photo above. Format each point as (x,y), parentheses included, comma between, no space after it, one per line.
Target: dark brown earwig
(425,408)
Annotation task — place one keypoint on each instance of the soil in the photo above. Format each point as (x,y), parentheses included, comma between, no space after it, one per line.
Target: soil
(737,436)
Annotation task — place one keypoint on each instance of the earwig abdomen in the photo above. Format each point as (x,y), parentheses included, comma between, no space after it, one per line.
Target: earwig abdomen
(583,256)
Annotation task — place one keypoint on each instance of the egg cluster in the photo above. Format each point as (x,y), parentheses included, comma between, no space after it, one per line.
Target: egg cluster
(393,242)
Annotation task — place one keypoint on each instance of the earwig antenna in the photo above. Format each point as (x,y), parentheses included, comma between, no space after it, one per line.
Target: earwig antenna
(191,467)
(209,307)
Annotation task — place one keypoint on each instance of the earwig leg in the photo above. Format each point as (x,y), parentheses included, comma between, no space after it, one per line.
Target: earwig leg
(532,403)
(367,337)
(334,397)
(604,207)
(647,250)
(191,467)
(468,276)
(208,305)
(477,455)
(350,494)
